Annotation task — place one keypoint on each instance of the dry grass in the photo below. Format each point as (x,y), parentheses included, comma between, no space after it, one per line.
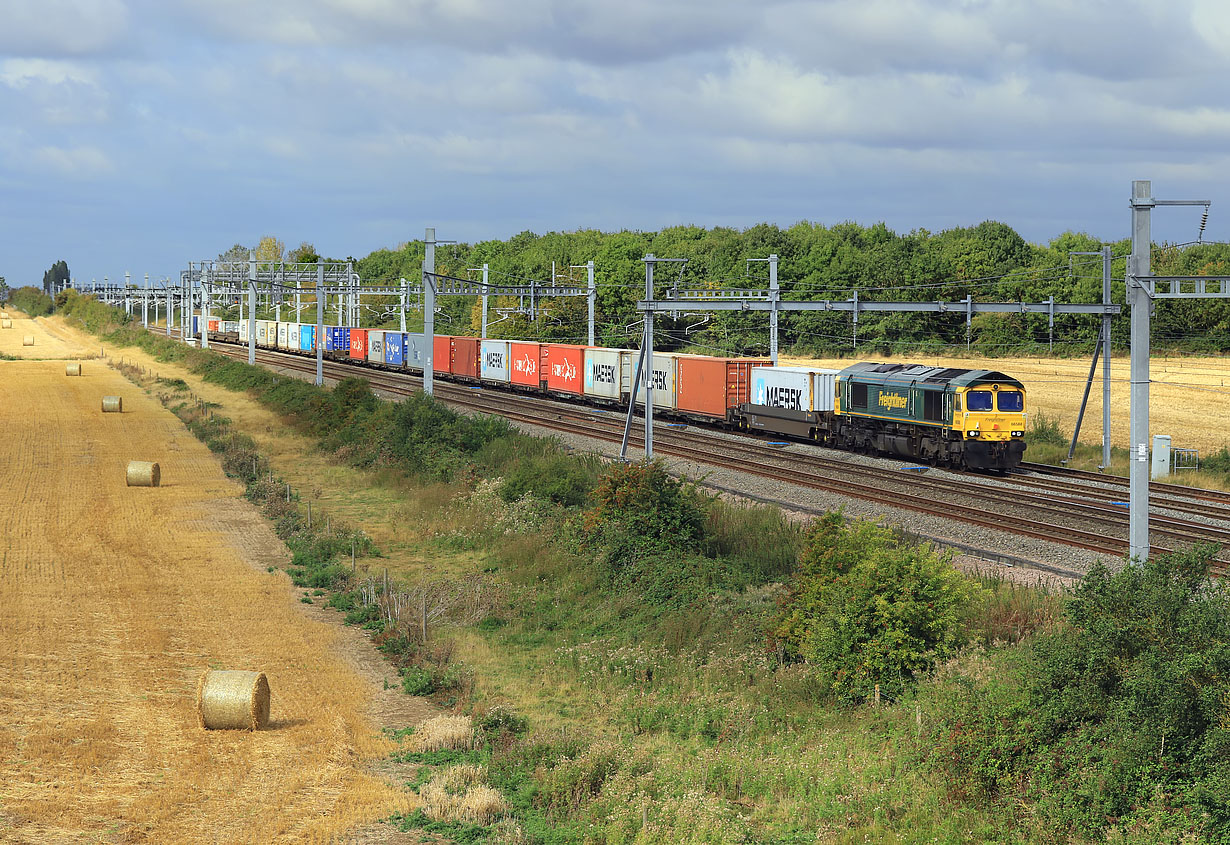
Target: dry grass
(443,733)
(51,339)
(114,598)
(461,794)
(1189,397)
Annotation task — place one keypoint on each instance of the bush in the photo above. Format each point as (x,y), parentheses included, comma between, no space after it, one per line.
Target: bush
(1117,717)
(32,301)
(1044,429)
(868,610)
(643,501)
(559,478)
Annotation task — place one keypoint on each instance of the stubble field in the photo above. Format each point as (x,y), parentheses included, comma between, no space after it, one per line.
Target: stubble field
(112,602)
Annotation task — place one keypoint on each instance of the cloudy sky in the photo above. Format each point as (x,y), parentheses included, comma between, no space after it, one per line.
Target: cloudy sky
(138,135)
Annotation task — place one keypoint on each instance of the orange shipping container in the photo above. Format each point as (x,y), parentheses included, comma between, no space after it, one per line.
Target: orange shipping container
(465,356)
(565,367)
(709,386)
(358,344)
(525,363)
(442,354)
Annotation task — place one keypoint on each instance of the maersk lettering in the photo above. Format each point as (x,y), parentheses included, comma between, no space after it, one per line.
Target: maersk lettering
(784,397)
(604,373)
(495,360)
(659,380)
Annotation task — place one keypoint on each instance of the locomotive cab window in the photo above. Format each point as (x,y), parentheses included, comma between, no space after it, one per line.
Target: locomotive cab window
(979,400)
(1011,401)
(858,395)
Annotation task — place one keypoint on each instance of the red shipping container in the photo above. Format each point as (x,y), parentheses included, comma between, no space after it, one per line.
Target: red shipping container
(565,367)
(442,354)
(525,363)
(709,386)
(358,344)
(213,325)
(465,356)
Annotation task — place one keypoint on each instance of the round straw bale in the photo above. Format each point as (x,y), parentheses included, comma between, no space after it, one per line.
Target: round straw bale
(6,323)
(28,340)
(143,474)
(232,699)
(113,405)
(72,369)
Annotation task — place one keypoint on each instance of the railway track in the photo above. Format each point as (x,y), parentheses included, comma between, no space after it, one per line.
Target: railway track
(1069,517)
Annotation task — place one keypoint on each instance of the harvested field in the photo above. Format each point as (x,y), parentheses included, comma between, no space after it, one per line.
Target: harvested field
(1189,397)
(51,340)
(115,600)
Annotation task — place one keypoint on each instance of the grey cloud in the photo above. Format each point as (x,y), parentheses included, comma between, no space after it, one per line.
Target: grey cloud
(62,27)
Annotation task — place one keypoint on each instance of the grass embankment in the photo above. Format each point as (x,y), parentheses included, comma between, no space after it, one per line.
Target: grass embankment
(648,664)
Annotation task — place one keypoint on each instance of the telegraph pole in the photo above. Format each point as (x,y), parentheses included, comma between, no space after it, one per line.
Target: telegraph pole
(429,308)
(320,324)
(1142,306)
(252,308)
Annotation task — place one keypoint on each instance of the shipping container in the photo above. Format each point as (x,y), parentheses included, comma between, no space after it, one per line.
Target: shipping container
(605,375)
(307,338)
(337,340)
(662,376)
(564,364)
(213,326)
(243,331)
(395,348)
(281,335)
(464,351)
(196,325)
(375,346)
(358,344)
(415,350)
(710,386)
(441,353)
(526,361)
(230,327)
(794,388)
(494,363)
(266,333)
(292,336)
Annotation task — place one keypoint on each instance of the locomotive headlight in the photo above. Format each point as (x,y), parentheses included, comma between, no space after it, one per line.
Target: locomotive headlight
(1018,434)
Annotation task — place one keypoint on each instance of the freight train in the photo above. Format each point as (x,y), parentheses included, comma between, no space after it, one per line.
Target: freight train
(945,416)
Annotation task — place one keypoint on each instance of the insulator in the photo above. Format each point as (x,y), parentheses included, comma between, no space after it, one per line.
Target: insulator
(1204,219)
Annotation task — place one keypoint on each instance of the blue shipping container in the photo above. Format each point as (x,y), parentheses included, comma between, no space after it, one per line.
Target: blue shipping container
(337,339)
(307,338)
(394,348)
(196,325)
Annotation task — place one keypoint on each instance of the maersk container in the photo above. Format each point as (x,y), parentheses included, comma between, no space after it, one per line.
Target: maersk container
(493,364)
(662,376)
(564,364)
(281,335)
(243,331)
(395,348)
(526,363)
(307,338)
(375,346)
(711,386)
(358,344)
(794,388)
(605,373)
(464,351)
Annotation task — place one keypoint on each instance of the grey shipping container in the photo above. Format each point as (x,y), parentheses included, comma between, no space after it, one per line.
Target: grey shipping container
(606,375)
(794,388)
(375,347)
(663,380)
(493,361)
(417,350)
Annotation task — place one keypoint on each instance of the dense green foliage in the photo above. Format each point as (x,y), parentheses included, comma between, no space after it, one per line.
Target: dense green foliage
(1117,719)
(32,301)
(989,260)
(869,611)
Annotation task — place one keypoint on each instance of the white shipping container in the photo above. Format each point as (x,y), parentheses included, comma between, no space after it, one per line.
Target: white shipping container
(243,331)
(375,347)
(793,388)
(230,326)
(605,374)
(662,376)
(265,337)
(281,335)
(493,361)
(292,336)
